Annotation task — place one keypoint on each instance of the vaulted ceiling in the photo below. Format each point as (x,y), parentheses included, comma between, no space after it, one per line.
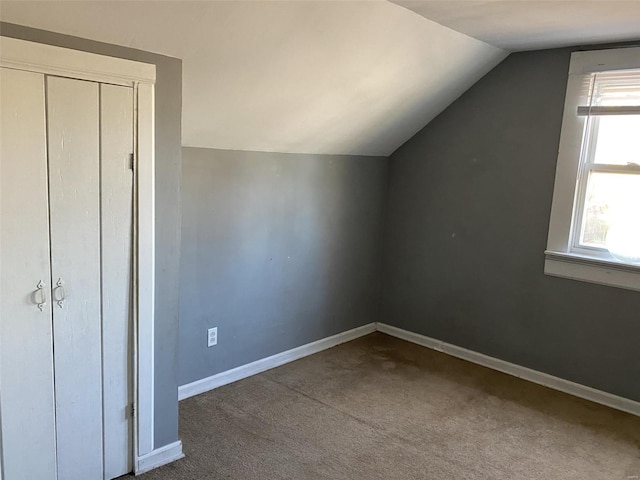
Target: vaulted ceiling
(535,24)
(335,77)
(297,76)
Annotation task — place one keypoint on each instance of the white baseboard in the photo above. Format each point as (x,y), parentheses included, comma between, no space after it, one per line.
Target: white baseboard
(566,386)
(588,393)
(159,457)
(259,366)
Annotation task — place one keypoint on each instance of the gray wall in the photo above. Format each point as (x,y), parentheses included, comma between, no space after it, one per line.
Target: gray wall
(466,227)
(168,168)
(278,250)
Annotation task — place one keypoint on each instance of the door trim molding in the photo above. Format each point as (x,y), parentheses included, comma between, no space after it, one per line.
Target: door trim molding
(52,60)
(64,62)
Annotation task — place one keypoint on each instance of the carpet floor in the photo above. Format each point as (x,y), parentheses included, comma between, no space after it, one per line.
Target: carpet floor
(382,408)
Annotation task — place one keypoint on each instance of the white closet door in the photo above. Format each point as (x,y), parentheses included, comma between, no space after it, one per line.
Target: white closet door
(26,367)
(74,184)
(117,329)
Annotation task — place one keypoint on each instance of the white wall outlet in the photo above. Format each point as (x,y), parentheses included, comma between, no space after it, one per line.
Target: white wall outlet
(212,337)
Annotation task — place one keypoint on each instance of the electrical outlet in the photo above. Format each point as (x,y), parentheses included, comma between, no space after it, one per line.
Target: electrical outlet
(212,337)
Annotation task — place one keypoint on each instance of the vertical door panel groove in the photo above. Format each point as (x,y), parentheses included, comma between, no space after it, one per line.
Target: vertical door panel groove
(26,364)
(66,369)
(74,182)
(116,115)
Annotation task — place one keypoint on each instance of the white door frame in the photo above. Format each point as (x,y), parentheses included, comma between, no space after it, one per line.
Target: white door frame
(48,59)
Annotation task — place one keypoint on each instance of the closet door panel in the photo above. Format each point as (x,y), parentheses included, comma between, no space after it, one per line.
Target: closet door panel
(27,429)
(117,330)
(74,183)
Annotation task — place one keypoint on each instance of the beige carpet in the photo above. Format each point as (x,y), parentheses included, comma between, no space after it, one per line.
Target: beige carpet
(382,408)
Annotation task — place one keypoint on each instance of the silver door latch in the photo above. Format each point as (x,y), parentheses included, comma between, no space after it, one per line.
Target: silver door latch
(43,296)
(60,289)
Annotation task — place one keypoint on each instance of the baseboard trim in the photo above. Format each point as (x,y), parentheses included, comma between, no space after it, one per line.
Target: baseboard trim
(566,386)
(159,457)
(259,366)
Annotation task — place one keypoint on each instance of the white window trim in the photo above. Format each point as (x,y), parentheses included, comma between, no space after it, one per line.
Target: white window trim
(48,59)
(560,259)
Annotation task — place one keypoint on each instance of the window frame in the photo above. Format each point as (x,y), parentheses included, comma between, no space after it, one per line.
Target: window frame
(564,256)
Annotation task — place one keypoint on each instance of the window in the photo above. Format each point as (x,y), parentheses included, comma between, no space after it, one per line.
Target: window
(594,230)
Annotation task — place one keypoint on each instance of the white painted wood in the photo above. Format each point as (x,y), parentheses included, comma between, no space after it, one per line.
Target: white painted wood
(74,183)
(602,60)
(29,56)
(26,367)
(145,268)
(116,177)
(259,366)
(564,189)
(562,385)
(561,259)
(577,267)
(39,57)
(159,457)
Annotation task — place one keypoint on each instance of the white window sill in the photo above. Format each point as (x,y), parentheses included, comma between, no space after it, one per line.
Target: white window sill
(592,270)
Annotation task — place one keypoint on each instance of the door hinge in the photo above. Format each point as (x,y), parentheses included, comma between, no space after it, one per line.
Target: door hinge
(131,161)
(132,409)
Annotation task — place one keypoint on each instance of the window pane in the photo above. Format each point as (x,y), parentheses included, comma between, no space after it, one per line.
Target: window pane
(618,139)
(612,199)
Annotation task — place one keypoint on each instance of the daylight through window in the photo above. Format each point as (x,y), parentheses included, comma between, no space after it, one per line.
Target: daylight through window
(594,228)
(607,213)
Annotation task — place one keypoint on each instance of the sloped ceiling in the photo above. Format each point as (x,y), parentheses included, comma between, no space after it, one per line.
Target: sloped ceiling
(288,76)
(535,24)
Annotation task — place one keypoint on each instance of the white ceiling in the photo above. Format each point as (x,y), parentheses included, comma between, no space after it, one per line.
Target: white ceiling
(336,77)
(528,24)
(293,76)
